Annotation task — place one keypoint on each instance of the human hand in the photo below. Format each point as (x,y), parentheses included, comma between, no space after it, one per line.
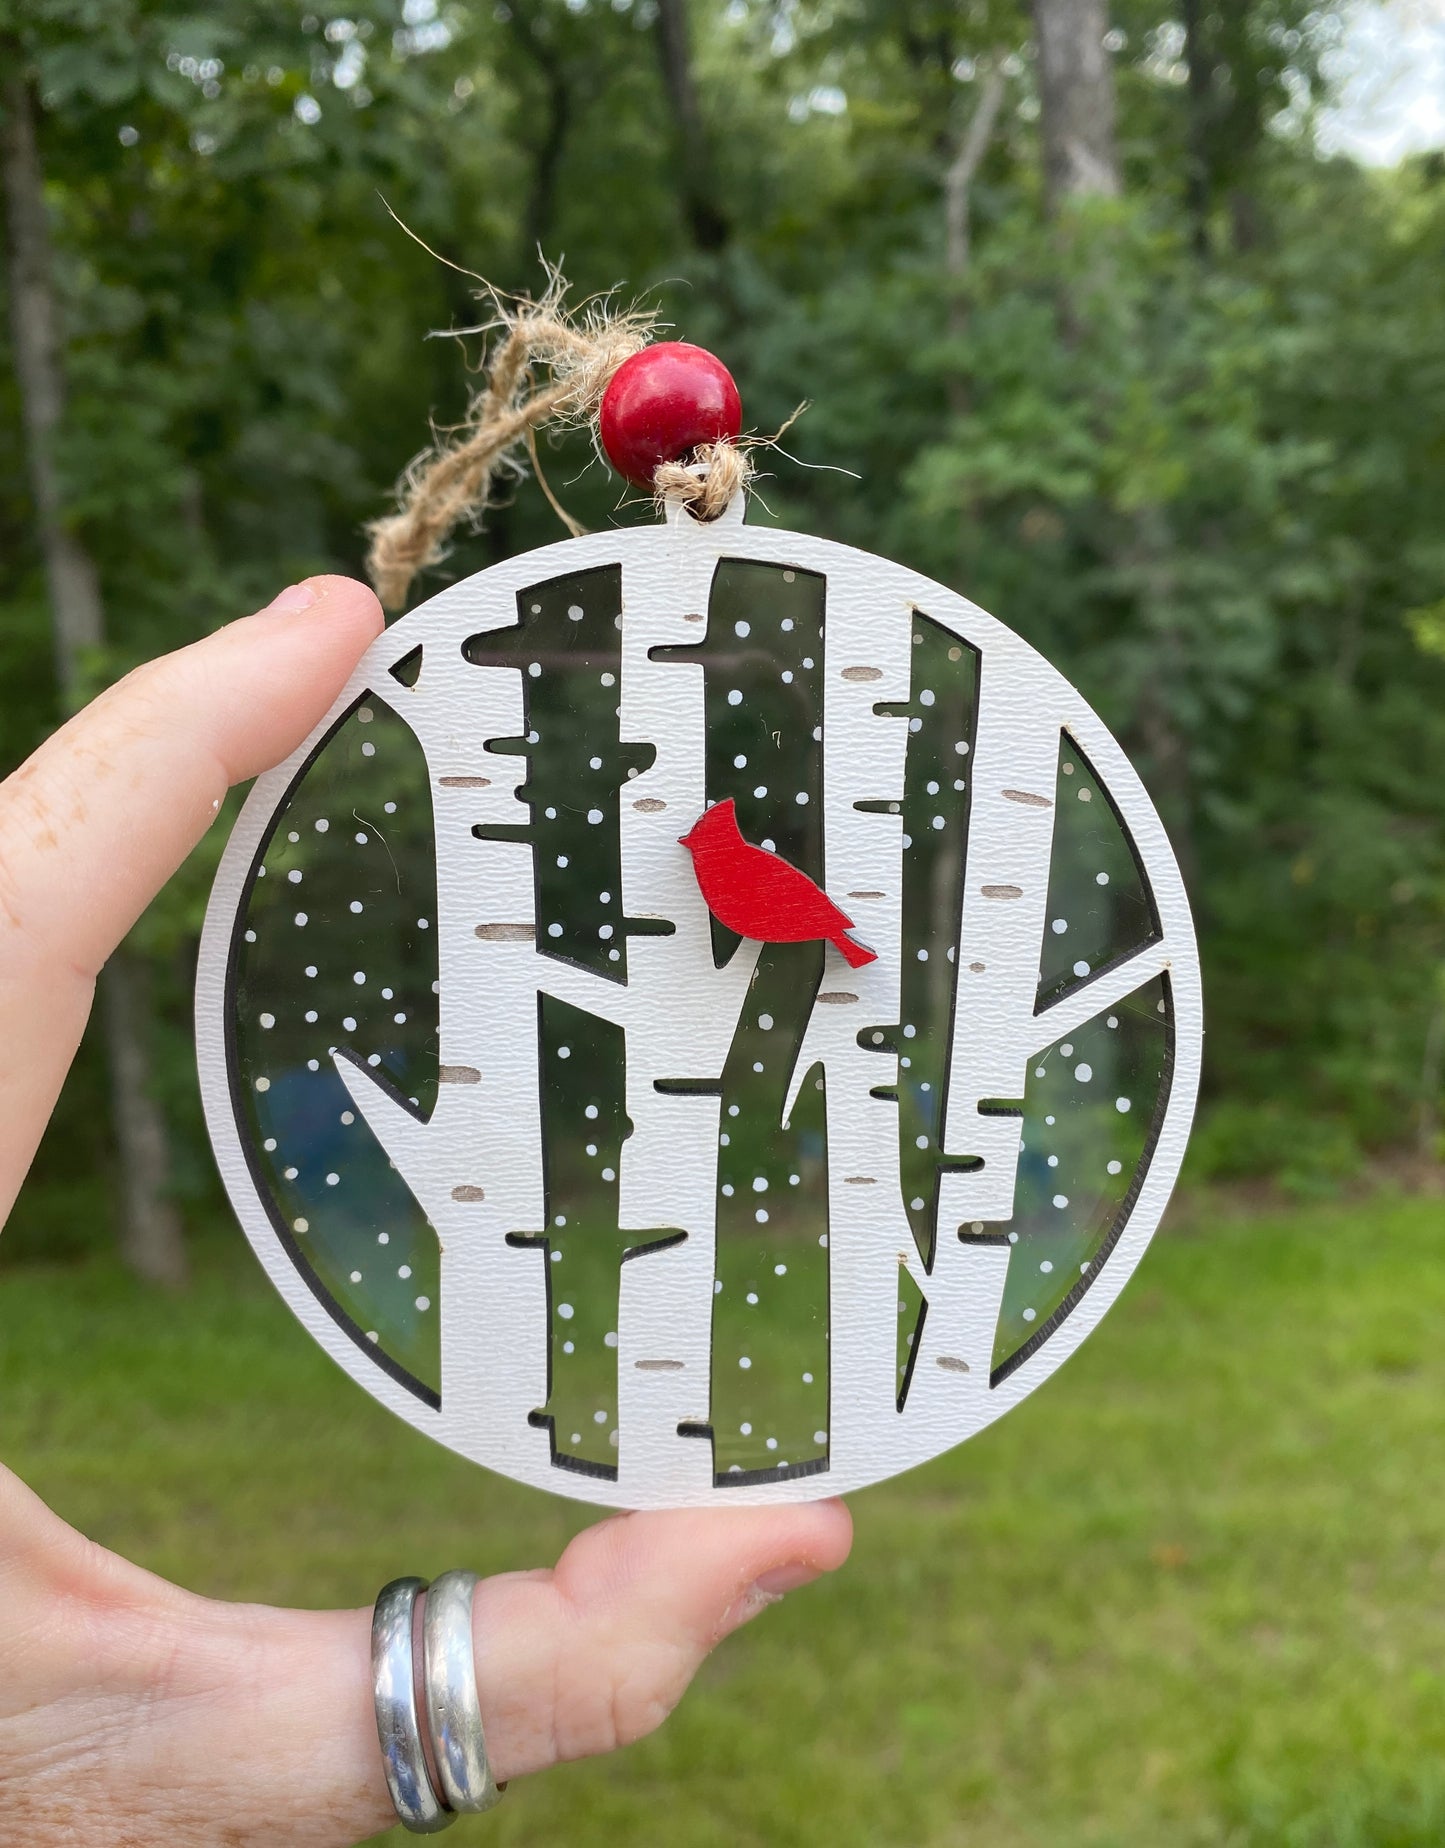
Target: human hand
(130,1710)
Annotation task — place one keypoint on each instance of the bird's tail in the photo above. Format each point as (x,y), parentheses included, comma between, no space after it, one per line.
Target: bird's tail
(856,954)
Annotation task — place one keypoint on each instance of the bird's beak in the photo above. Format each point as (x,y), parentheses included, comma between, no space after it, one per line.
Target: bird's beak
(685,840)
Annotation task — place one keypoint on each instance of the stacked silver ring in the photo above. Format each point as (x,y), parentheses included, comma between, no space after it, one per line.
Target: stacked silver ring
(430,1789)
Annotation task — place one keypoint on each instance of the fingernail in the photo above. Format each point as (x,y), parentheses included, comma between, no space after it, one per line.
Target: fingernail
(293,600)
(742,1610)
(786,1578)
(765,1590)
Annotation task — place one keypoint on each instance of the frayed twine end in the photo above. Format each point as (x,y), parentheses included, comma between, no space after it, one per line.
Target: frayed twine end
(547,366)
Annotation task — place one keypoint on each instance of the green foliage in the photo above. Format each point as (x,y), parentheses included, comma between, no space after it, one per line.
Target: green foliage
(1187,442)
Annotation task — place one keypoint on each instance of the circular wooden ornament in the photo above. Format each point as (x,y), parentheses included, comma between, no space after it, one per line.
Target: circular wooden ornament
(616,1201)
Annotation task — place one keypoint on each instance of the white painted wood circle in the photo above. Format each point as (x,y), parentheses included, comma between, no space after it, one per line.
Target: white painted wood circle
(493,1295)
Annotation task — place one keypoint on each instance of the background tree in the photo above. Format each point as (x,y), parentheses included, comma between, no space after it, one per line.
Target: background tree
(1210,491)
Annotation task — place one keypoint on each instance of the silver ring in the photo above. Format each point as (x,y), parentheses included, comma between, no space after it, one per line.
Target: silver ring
(454,1713)
(393,1673)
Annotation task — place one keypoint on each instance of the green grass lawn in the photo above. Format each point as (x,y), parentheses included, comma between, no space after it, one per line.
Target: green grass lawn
(1192,1592)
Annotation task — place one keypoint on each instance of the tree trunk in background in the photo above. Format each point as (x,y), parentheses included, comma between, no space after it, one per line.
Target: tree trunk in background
(1198,156)
(958,215)
(708,224)
(151,1237)
(541,203)
(1076,97)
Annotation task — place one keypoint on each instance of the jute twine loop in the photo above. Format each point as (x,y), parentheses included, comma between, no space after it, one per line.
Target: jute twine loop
(546,367)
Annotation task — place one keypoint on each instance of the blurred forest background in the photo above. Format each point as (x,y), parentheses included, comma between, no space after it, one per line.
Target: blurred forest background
(1109,342)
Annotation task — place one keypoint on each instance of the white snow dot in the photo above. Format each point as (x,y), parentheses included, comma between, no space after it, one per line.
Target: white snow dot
(594,816)
(740,762)
(1059,926)
(925,697)
(358,976)
(761,790)
(744,1363)
(801,798)
(1028,1315)
(356,1276)
(765,1021)
(610,1338)
(294,875)
(1081,968)
(1083,1072)
(300,1225)
(780,1270)
(1115,1167)
(1061,1200)
(263,1084)
(742,628)
(1101,879)
(554,930)
(574,611)
(1123,1105)
(268,1020)
(735,697)
(566,1311)
(564,1052)
(761,1215)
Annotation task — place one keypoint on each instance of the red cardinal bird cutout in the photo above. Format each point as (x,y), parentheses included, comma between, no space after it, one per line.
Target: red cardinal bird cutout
(760,896)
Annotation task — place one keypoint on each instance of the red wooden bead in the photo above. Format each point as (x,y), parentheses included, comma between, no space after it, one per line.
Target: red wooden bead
(662,403)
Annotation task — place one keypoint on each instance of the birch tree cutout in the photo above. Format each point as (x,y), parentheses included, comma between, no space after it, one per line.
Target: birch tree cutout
(616,1201)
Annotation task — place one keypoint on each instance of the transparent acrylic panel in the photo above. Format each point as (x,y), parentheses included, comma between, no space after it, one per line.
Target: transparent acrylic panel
(584,1124)
(940,714)
(1098,909)
(334,948)
(1091,1111)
